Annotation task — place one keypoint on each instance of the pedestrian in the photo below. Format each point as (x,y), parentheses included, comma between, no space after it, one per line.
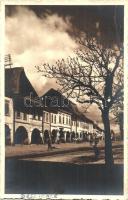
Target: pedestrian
(96,150)
(58,137)
(49,144)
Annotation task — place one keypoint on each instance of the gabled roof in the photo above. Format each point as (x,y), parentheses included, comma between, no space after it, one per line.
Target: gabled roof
(81,115)
(55,100)
(97,127)
(16,82)
(72,107)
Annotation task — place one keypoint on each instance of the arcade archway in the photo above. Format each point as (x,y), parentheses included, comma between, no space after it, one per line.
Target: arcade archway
(7,135)
(68,136)
(36,138)
(21,136)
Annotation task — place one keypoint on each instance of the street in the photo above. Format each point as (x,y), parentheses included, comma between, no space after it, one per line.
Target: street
(81,157)
(67,169)
(80,153)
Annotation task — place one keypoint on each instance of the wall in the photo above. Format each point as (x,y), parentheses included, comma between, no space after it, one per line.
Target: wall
(9,118)
(49,122)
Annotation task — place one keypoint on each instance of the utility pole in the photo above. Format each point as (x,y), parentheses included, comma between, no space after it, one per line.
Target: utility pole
(8,61)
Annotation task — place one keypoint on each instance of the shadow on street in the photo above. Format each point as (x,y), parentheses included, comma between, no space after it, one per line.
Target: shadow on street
(62,178)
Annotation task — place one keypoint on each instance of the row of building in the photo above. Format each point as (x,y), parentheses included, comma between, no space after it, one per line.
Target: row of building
(30,119)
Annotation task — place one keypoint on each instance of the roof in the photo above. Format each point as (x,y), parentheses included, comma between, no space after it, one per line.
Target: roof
(17,83)
(97,127)
(55,100)
(71,108)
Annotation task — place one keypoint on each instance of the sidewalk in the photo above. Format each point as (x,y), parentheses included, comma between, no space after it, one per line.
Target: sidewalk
(26,151)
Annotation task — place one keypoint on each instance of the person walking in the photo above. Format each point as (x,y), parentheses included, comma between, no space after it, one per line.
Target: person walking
(58,137)
(49,144)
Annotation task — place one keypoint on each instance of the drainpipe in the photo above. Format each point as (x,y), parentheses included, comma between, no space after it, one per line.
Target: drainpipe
(42,127)
(14,107)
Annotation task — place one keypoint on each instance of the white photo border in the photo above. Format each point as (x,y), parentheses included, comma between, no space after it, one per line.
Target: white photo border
(3,3)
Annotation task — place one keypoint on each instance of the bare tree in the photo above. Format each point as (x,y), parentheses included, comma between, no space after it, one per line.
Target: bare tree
(95,75)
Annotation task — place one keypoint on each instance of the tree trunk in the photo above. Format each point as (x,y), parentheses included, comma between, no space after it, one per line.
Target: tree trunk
(121,120)
(108,143)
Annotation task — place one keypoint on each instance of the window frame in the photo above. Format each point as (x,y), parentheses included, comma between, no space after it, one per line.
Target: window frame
(25,116)
(55,119)
(46,117)
(52,118)
(18,115)
(8,108)
(60,119)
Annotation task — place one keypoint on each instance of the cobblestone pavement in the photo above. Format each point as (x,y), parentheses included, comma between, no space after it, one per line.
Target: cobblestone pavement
(72,151)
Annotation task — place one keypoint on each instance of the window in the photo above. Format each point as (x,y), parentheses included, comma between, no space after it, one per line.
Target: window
(63,119)
(39,117)
(34,115)
(69,121)
(47,117)
(77,123)
(86,125)
(6,108)
(24,116)
(59,119)
(51,118)
(44,116)
(18,115)
(80,124)
(54,119)
(66,120)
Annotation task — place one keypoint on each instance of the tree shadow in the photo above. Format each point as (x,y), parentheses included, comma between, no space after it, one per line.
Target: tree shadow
(86,159)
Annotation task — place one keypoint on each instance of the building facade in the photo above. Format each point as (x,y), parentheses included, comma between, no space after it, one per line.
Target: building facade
(30,119)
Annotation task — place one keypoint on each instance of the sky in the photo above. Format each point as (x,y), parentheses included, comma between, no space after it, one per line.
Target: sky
(43,34)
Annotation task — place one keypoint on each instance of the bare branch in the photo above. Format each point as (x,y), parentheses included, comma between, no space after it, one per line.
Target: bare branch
(96,73)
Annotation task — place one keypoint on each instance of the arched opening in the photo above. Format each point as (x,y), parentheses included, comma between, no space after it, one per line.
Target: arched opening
(84,136)
(7,135)
(62,139)
(36,138)
(21,136)
(53,135)
(77,135)
(72,136)
(46,136)
(68,136)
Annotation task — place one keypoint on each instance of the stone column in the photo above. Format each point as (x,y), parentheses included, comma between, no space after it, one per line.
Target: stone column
(70,136)
(65,134)
(29,136)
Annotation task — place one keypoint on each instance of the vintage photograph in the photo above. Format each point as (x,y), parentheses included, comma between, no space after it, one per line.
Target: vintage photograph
(64,93)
